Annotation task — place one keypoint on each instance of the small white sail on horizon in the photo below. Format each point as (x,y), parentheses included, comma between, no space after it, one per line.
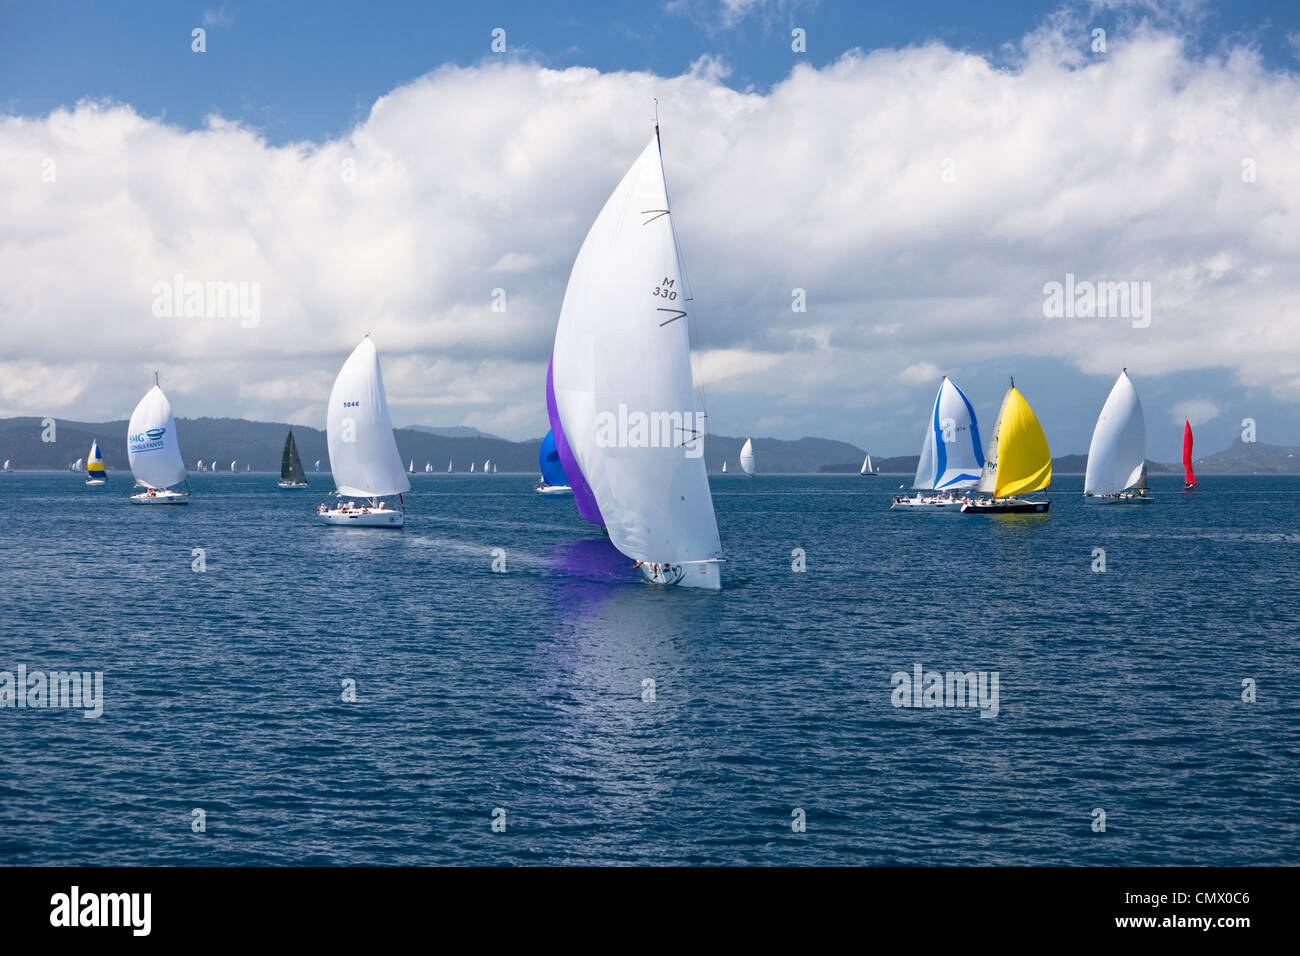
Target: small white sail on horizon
(747,457)
(1117,454)
(625,301)
(154,452)
(449,466)
(724,466)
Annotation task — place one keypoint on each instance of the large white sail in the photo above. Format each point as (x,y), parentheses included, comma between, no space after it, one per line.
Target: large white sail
(622,377)
(363,450)
(951,454)
(747,456)
(1117,455)
(151,444)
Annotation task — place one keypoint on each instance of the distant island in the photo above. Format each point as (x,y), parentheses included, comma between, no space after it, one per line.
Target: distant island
(260,444)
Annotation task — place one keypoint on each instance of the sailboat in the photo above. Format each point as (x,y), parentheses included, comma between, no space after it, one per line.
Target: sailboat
(154,452)
(362,447)
(487,466)
(232,464)
(471,467)
(291,475)
(449,466)
(318,464)
(951,457)
(624,303)
(867,470)
(1017,462)
(747,457)
(76,465)
(199,465)
(428,468)
(410,467)
(1189,477)
(1117,463)
(95,472)
(8,466)
(724,466)
(554,481)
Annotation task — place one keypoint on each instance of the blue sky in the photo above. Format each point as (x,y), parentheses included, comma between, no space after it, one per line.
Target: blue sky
(820,172)
(312,70)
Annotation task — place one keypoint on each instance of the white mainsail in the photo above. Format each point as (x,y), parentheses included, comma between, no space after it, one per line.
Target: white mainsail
(724,467)
(359,431)
(747,457)
(622,355)
(951,453)
(151,444)
(1117,455)
(449,467)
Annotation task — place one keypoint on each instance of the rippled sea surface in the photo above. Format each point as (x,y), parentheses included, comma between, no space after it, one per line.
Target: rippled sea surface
(526,690)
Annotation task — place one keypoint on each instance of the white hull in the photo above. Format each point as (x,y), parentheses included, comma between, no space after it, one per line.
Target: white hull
(1124,498)
(363,517)
(927,503)
(292,484)
(96,481)
(163,497)
(687,574)
(554,490)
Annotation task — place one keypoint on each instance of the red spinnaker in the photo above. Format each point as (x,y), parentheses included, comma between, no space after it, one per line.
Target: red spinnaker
(1188,475)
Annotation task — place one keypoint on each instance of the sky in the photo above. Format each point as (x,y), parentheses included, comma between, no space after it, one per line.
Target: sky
(917,175)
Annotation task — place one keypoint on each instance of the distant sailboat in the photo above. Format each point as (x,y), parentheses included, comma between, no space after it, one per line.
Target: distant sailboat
(494,467)
(76,465)
(867,470)
(362,448)
(449,466)
(427,468)
(487,466)
(747,457)
(724,466)
(95,472)
(951,457)
(1117,464)
(1189,477)
(554,481)
(318,464)
(7,465)
(154,452)
(199,465)
(623,304)
(233,463)
(291,475)
(1018,461)
(248,468)
(410,467)
(471,467)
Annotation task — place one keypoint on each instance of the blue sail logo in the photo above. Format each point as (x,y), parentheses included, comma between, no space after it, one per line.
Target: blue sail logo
(155,433)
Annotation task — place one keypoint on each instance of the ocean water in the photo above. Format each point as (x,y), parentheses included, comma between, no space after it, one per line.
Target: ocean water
(525,691)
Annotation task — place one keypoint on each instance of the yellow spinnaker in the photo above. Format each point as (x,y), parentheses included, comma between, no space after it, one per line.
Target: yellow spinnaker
(1024,462)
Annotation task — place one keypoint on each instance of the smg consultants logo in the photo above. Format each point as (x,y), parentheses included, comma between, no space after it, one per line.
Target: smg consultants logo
(147,440)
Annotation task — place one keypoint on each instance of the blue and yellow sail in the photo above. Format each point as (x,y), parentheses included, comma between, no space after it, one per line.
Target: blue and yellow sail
(95,462)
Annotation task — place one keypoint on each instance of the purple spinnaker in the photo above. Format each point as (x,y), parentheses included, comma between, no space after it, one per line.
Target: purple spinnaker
(582,495)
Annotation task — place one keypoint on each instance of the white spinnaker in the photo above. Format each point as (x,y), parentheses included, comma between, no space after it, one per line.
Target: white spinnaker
(951,456)
(747,456)
(151,443)
(1119,442)
(363,451)
(622,345)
